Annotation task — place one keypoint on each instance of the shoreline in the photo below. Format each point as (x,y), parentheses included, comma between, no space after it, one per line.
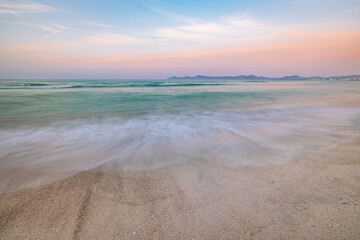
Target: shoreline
(317,195)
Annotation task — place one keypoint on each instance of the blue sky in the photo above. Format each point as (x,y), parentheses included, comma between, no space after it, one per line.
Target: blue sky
(157,38)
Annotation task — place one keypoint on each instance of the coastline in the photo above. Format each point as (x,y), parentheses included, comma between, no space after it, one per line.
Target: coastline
(317,195)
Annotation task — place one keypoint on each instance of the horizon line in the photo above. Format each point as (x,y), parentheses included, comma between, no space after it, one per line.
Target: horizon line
(42,78)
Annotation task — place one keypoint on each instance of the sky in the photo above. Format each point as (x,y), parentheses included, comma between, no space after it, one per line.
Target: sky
(156,39)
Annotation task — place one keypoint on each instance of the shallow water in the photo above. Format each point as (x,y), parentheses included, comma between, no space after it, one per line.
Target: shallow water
(53,127)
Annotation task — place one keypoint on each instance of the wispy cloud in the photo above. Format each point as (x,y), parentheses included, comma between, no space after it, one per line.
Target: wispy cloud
(97,24)
(337,14)
(96,41)
(109,39)
(301,52)
(56,29)
(25,7)
(224,30)
(52,28)
(153,6)
(29,48)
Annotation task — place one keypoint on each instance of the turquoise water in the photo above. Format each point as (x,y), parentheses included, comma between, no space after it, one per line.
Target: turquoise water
(53,126)
(42,103)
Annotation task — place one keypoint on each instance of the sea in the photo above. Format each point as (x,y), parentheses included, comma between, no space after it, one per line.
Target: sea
(60,127)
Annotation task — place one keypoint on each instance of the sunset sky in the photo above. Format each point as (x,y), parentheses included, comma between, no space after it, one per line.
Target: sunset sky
(158,38)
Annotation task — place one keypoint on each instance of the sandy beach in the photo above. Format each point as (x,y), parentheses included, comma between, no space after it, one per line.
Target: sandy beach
(315,196)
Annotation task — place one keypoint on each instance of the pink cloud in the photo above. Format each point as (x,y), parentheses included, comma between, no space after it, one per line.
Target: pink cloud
(290,52)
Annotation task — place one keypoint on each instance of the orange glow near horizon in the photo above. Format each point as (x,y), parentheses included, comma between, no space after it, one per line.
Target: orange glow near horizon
(296,52)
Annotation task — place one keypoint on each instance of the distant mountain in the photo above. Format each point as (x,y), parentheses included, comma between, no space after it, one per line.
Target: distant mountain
(240,77)
(293,77)
(253,77)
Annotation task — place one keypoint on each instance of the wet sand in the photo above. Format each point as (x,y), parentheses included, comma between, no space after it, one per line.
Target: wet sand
(315,196)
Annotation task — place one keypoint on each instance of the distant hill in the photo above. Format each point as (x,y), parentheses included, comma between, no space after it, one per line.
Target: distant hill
(253,77)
